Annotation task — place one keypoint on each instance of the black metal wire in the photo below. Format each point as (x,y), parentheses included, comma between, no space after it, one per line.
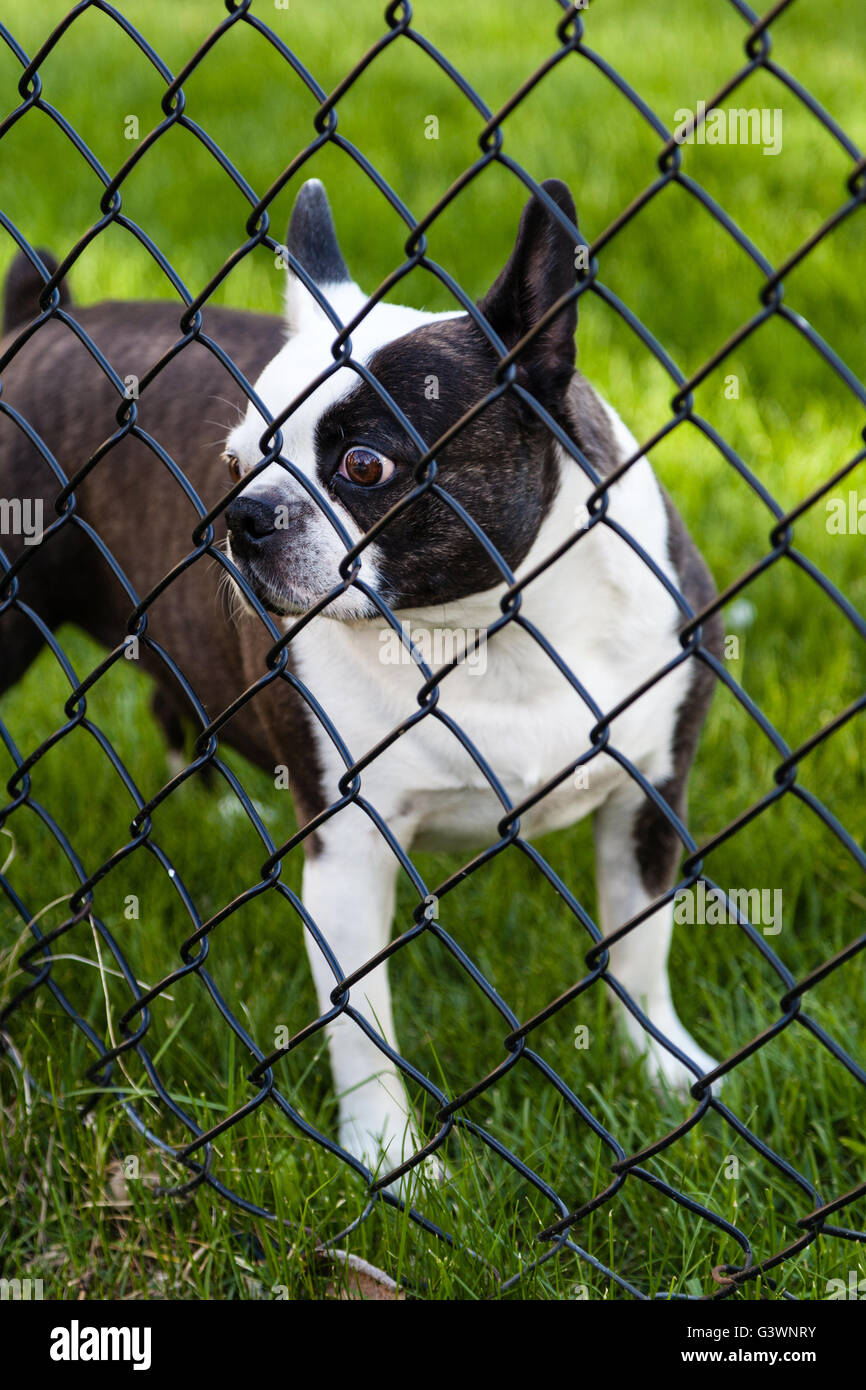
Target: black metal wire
(197,1154)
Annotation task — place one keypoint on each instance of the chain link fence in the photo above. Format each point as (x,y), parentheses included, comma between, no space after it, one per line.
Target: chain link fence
(118,1039)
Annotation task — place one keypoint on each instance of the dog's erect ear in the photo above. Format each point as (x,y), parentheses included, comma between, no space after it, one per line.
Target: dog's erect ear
(312,236)
(540,269)
(312,240)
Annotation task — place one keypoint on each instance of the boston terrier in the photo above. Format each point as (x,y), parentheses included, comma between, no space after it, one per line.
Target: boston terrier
(508,716)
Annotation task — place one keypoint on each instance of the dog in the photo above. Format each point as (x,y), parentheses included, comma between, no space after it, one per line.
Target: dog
(609,618)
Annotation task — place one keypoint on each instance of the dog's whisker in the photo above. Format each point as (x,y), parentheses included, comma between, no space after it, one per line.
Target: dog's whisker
(232,405)
(227,597)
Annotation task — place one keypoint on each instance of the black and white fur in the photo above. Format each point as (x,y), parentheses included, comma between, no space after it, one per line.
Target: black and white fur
(609,618)
(607,615)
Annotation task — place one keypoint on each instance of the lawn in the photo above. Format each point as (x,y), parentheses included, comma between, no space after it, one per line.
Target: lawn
(70,1214)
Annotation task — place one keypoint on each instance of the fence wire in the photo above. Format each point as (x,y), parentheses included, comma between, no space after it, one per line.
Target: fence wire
(561,1232)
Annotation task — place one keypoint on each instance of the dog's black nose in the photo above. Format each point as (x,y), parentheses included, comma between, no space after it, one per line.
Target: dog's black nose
(251,519)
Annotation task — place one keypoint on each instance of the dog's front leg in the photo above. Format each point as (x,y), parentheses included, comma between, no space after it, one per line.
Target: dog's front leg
(636,858)
(348,889)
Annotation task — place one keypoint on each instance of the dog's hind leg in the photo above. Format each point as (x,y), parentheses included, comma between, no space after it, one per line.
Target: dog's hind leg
(637,851)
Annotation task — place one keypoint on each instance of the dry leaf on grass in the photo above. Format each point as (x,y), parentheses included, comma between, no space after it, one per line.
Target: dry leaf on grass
(361,1280)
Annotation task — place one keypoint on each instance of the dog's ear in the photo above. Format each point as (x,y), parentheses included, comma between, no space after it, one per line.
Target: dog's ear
(540,269)
(312,240)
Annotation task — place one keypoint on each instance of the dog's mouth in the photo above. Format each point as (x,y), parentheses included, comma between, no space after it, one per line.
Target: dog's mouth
(289,599)
(285,602)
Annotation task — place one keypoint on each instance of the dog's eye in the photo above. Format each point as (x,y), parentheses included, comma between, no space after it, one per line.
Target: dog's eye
(234,466)
(365,467)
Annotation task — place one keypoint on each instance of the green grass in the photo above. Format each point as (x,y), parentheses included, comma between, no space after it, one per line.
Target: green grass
(67,1216)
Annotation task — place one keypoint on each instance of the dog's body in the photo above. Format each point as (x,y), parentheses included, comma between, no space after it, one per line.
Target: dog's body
(609,619)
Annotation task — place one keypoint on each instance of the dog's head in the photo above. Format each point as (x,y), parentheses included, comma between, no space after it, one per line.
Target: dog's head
(500,468)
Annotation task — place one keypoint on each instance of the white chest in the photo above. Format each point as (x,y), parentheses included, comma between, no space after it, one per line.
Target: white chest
(522,721)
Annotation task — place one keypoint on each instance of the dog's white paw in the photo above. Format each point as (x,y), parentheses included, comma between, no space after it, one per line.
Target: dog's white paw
(384,1137)
(671,1073)
(666,1070)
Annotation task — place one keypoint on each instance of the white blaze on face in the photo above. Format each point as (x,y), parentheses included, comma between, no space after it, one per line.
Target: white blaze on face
(314,547)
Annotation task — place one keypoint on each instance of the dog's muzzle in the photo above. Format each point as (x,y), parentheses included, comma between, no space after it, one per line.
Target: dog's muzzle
(257,525)
(262,533)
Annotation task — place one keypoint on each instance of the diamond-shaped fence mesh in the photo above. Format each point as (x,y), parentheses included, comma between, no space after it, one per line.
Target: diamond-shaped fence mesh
(117,1020)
